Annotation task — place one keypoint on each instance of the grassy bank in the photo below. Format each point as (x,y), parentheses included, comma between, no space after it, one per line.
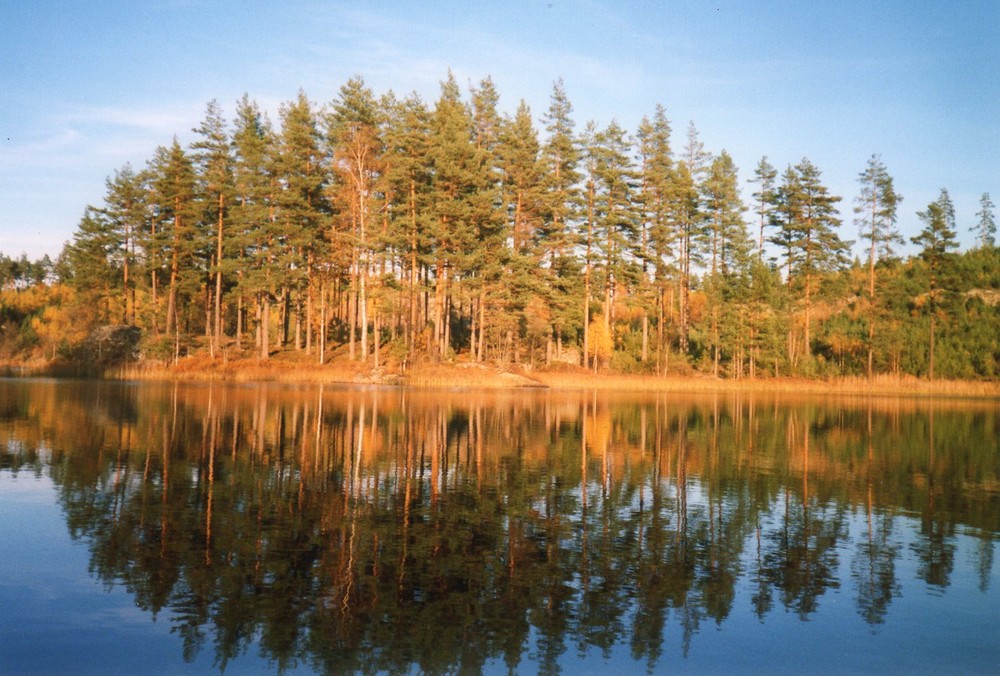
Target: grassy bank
(293,368)
(882,385)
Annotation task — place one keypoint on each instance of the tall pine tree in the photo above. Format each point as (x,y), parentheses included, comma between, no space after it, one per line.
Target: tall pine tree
(807,219)
(936,242)
(876,209)
(213,158)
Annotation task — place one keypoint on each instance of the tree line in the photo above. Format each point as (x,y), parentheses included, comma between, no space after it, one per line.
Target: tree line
(390,230)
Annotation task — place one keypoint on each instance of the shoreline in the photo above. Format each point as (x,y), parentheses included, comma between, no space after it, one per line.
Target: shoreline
(475,376)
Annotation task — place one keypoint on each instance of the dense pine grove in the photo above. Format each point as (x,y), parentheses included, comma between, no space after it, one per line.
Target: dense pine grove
(386,230)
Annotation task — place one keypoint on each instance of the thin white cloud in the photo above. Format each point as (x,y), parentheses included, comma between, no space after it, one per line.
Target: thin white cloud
(152,120)
(17,152)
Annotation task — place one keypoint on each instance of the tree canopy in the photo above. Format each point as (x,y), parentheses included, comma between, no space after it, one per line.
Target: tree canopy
(384,230)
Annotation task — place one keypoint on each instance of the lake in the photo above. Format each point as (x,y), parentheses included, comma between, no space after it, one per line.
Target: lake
(192,528)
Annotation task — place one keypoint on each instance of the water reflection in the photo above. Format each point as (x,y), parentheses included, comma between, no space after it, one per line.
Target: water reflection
(391,529)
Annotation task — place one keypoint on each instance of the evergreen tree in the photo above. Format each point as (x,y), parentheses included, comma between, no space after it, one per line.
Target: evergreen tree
(616,217)
(560,159)
(253,216)
(527,295)
(876,208)
(764,176)
(807,217)
(407,176)
(462,201)
(125,211)
(301,215)
(689,219)
(767,320)
(986,227)
(588,227)
(487,258)
(729,246)
(175,239)
(936,240)
(684,214)
(658,238)
(92,260)
(355,136)
(213,159)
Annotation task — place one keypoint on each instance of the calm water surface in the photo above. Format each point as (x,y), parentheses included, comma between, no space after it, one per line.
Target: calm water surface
(174,528)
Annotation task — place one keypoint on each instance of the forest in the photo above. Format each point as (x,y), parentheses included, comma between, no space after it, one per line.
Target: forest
(382,230)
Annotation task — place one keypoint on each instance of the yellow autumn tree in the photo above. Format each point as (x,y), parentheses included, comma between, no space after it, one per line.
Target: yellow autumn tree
(62,320)
(600,345)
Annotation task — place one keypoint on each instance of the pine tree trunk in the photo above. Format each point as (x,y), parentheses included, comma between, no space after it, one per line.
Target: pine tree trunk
(645,337)
(446,341)
(322,323)
(715,341)
(931,356)
(871,346)
(685,290)
(363,307)
(310,314)
(439,284)
(298,323)
(411,339)
(472,330)
(258,313)
(376,330)
(871,295)
(482,324)
(217,337)
(586,319)
(659,329)
(264,325)
(125,280)
(808,344)
(352,319)
(239,322)
(209,302)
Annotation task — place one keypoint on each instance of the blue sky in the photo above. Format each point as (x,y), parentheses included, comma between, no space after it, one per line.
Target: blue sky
(88,86)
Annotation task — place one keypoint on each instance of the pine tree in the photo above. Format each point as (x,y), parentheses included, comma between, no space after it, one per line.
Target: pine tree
(407,176)
(936,240)
(616,217)
(588,227)
(689,218)
(524,208)
(684,214)
(728,241)
(807,217)
(876,208)
(125,210)
(92,260)
(301,215)
(253,216)
(173,196)
(488,256)
(658,238)
(354,135)
(213,159)
(560,158)
(462,197)
(764,176)
(986,227)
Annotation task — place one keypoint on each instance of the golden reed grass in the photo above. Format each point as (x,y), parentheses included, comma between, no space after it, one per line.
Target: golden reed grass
(481,376)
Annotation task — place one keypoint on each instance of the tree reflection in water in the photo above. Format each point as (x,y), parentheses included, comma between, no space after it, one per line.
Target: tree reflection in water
(390,529)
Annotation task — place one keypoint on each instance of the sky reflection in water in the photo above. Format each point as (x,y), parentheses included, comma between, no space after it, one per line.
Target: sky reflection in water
(153,528)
